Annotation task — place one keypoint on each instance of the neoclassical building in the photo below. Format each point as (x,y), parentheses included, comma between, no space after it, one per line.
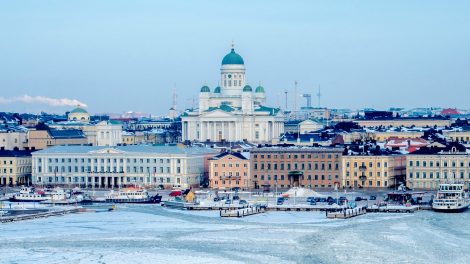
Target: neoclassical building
(79,114)
(233,111)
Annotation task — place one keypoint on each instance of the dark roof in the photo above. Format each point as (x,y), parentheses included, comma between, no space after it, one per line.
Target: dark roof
(15,153)
(235,154)
(66,133)
(459,149)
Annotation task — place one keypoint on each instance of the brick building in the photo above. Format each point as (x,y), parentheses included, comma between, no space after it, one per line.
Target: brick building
(286,167)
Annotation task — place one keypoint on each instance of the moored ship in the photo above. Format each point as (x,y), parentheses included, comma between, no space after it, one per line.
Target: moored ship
(28,194)
(450,198)
(132,195)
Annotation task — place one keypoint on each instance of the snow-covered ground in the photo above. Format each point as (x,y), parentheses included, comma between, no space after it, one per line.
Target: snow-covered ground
(152,234)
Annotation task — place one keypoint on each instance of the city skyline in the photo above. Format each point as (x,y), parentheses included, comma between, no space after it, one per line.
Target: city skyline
(115,58)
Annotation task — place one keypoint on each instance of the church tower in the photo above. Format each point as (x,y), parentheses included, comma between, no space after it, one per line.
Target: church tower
(232,74)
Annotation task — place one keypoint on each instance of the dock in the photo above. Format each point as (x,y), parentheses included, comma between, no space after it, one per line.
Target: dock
(346,213)
(393,208)
(40,214)
(242,212)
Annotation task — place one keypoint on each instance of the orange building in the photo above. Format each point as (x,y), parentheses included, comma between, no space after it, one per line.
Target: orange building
(230,169)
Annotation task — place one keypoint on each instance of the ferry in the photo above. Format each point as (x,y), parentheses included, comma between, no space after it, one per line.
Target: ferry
(28,194)
(450,197)
(131,195)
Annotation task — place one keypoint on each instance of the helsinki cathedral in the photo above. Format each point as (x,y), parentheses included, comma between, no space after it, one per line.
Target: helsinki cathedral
(233,111)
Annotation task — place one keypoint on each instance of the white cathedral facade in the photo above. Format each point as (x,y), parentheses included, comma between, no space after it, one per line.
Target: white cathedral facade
(233,111)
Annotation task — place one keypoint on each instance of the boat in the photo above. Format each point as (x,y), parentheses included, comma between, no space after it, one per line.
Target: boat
(132,195)
(28,194)
(59,196)
(450,198)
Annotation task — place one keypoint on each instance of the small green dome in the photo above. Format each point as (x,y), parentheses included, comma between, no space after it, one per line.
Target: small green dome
(217,89)
(247,88)
(205,89)
(79,110)
(259,89)
(232,58)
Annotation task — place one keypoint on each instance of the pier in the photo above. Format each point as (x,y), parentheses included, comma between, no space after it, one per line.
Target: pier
(39,214)
(242,212)
(346,213)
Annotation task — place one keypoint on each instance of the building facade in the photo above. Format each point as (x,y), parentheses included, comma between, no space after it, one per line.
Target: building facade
(285,167)
(108,167)
(13,139)
(233,111)
(15,167)
(428,167)
(373,171)
(41,139)
(229,170)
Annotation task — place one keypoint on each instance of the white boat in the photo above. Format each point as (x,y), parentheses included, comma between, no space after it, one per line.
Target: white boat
(450,197)
(28,194)
(60,197)
(131,195)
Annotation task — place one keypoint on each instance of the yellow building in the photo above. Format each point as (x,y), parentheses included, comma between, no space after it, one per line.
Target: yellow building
(457,135)
(229,170)
(41,139)
(15,167)
(428,167)
(79,114)
(373,171)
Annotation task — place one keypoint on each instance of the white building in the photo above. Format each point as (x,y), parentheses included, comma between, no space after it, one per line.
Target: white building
(106,167)
(232,111)
(103,133)
(13,138)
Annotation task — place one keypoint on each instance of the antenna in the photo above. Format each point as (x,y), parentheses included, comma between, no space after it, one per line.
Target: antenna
(319,96)
(286,92)
(295,96)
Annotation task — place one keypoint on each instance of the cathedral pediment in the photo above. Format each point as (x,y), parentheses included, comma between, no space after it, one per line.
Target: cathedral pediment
(217,113)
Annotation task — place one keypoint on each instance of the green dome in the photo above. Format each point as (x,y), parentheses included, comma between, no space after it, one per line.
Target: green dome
(247,88)
(232,58)
(259,89)
(217,89)
(79,110)
(205,89)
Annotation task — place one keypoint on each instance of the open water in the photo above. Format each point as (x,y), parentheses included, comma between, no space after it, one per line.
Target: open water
(152,234)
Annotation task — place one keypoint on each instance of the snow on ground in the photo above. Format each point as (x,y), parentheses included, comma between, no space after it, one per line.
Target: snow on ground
(152,234)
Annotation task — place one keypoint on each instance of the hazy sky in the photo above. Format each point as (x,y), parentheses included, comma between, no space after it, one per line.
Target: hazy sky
(127,55)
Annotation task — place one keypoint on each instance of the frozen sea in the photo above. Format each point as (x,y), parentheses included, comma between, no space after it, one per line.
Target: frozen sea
(152,234)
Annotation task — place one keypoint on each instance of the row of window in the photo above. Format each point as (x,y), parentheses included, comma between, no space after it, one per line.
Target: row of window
(237,174)
(363,164)
(378,184)
(425,175)
(95,160)
(230,165)
(97,180)
(108,169)
(295,156)
(385,174)
(309,177)
(316,166)
(438,164)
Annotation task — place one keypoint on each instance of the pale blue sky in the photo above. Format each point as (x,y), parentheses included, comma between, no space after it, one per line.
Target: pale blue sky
(126,55)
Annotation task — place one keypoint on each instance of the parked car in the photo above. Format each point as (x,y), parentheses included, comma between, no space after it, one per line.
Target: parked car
(358,199)
(322,200)
(216,199)
(329,199)
(373,198)
(280,200)
(242,202)
(312,202)
(310,199)
(236,197)
(228,201)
